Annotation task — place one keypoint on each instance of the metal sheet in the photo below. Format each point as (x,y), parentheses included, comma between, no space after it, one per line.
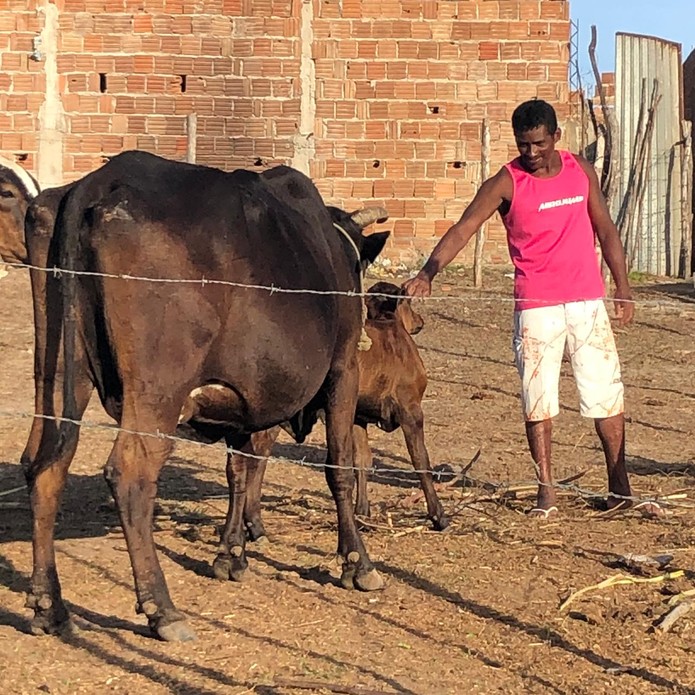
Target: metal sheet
(658,224)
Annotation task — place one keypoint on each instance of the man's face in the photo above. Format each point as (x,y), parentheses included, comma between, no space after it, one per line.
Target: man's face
(536,147)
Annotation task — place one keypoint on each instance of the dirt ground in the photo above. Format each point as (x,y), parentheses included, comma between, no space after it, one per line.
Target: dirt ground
(474,609)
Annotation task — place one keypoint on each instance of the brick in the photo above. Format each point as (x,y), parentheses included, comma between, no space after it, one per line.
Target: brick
(404,228)
(489,50)
(461,31)
(556,9)
(559,31)
(531,9)
(539,29)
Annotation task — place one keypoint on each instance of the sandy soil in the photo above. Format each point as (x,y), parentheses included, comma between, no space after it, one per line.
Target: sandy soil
(475,609)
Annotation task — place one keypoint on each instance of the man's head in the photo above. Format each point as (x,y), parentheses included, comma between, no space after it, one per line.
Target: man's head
(535,130)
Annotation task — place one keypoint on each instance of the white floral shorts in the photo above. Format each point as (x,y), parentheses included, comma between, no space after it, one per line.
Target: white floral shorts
(540,336)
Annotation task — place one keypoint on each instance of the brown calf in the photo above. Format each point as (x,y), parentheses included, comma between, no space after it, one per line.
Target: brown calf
(392,382)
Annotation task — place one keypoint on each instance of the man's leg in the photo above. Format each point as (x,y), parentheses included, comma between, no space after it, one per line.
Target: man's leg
(611,432)
(597,372)
(539,434)
(539,342)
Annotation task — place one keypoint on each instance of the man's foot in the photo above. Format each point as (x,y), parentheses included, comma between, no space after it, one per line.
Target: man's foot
(649,509)
(546,499)
(544,514)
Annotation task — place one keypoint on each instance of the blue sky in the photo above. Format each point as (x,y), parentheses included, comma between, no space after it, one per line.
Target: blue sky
(668,19)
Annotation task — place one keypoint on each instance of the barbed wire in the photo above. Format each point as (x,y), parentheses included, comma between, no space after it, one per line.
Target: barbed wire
(272,289)
(441,476)
(684,304)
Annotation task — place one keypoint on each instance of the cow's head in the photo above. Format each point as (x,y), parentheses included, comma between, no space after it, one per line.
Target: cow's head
(353,223)
(395,305)
(17,190)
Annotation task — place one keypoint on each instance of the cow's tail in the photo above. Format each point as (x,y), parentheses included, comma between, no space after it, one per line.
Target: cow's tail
(67,235)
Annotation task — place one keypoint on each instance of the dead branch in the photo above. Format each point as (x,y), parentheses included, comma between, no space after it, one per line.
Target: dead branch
(608,180)
(12,490)
(667,622)
(618,579)
(304,684)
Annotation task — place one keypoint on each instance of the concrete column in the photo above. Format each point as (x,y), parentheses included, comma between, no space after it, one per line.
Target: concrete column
(304,143)
(51,114)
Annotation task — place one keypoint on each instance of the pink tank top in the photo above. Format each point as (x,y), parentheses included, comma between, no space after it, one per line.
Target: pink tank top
(550,237)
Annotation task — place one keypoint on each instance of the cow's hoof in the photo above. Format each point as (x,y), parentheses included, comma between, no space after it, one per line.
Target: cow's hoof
(369,581)
(355,578)
(42,625)
(178,631)
(51,617)
(440,523)
(227,567)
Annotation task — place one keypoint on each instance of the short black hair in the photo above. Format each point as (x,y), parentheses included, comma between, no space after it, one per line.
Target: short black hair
(533,114)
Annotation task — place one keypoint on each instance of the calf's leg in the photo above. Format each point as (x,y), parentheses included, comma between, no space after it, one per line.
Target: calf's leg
(412,424)
(261,446)
(363,462)
(231,562)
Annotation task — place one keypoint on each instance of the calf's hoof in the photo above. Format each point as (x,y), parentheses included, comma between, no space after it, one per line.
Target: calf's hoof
(440,523)
(362,509)
(232,566)
(256,532)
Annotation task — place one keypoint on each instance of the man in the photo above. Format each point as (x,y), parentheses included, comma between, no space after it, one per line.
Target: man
(551,204)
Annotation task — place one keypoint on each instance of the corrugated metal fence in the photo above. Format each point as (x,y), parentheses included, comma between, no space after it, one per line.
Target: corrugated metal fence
(658,237)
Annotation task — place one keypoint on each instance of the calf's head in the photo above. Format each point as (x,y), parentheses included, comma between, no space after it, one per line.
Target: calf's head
(395,305)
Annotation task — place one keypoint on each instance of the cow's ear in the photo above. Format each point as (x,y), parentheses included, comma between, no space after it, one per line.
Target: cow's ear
(373,245)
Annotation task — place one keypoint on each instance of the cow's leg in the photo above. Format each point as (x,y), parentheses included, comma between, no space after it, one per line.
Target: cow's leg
(412,424)
(45,460)
(261,446)
(363,462)
(358,571)
(231,562)
(132,472)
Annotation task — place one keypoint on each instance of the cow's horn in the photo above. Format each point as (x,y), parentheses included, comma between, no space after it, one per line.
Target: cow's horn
(363,218)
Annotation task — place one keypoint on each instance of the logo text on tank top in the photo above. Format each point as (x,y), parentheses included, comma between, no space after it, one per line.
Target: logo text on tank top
(559,203)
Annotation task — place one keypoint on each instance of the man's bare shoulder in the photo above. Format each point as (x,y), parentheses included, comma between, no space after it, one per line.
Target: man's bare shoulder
(503,184)
(585,164)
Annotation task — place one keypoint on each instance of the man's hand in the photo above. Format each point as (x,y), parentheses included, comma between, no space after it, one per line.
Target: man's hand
(624,307)
(419,286)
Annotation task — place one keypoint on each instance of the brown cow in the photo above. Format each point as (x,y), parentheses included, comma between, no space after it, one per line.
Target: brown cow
(391,386)
(146,346)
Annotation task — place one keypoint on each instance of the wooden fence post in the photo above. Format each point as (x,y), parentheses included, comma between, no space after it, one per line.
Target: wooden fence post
(191,137)
(686,201)
(480,234)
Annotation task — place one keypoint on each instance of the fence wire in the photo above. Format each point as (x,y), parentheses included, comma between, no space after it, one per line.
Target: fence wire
(683,304)
(444,477)
(438,475)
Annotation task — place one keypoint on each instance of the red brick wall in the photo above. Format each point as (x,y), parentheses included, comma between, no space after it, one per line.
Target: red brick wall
(401,88)
(22,82)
